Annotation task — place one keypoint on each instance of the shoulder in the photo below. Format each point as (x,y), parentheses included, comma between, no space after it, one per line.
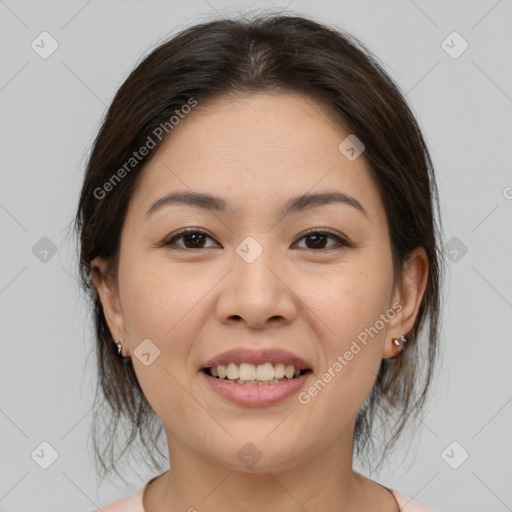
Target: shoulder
(132,503)
(407,504)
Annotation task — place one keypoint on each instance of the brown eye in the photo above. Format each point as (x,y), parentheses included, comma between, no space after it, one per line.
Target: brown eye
(196,239)
(192,239)
(317,240)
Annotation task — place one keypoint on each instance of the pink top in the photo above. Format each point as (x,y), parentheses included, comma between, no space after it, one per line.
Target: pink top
(133,503)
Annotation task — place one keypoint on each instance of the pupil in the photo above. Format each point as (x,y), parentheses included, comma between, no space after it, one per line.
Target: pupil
(319,239)
(195,235)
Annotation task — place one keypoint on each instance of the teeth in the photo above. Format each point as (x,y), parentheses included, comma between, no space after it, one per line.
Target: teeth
(232,371)
(265,372)
(249,374)
(279,370)
(247,371)
(258,382)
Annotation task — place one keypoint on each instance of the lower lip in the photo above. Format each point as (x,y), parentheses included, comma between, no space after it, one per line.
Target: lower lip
(255,396)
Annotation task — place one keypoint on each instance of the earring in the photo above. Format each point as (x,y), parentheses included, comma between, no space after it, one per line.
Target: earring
(124,359)
(119,345)
(400,342)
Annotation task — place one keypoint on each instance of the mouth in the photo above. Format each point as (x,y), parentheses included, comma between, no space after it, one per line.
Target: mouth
(256,378)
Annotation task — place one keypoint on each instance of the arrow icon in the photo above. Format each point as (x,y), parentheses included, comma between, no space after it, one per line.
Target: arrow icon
(44,455)
(454,455)
(455,249)
(351,147)
(146,352)
(249,455)
(247,252)
(44,45)
(454,45)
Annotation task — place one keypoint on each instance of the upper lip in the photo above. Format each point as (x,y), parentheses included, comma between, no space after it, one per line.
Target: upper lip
(256,357)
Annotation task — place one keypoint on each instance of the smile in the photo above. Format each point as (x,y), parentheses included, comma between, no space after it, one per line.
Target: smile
(248,374)
(255,378)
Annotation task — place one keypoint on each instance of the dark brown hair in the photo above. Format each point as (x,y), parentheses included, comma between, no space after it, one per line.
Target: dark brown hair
(266,53)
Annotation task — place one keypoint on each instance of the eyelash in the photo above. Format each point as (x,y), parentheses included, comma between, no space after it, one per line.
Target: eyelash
(181,234)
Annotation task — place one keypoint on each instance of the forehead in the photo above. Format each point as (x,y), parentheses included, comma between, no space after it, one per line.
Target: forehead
(255,150)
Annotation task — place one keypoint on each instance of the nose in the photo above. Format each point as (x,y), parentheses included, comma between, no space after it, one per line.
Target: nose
(257,293)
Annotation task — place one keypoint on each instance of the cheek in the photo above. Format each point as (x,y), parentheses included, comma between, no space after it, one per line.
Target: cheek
(163,306)
(157,300)
(354,311)
(152,310)
(350,302)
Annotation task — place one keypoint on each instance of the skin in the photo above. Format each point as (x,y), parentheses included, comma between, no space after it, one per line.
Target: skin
(257,151)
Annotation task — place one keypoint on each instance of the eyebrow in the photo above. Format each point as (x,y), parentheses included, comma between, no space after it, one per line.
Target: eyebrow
(293,205)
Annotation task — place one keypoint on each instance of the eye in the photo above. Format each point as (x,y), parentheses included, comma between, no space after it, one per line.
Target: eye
(318,239)
(193,239)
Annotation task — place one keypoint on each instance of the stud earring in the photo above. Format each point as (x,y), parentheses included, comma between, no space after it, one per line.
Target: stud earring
(400,342)
(119,345)
(119,352)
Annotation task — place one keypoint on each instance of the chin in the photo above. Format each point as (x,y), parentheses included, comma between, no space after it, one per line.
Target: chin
(253,454)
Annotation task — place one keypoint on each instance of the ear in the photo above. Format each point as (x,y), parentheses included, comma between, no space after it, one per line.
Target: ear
(408,293)
(108,293)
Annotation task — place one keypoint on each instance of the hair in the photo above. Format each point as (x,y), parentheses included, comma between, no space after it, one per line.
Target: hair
(268,53)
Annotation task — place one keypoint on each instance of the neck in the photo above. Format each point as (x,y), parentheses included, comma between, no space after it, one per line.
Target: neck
(197,482)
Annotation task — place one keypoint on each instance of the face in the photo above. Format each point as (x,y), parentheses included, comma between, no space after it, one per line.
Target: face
(314,279)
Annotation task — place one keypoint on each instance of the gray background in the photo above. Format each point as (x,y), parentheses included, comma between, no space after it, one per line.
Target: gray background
(51,109)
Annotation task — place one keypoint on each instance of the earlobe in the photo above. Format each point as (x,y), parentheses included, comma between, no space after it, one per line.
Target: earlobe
(109,297)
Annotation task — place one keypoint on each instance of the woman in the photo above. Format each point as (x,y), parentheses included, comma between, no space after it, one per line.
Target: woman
(258,239)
